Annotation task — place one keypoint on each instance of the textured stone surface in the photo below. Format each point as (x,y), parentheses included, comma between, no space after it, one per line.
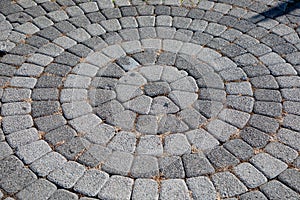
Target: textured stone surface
(134,99)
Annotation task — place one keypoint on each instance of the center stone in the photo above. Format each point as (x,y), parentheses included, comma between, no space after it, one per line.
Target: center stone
(148,99)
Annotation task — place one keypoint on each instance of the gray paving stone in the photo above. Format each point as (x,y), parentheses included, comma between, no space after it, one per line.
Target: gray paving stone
(55,137)
(163,105)
(249,175)
(150,145)
(101,134)
(228,185)
(139,104)
(174,188)
(221,130)
(177,144)
(29,70)
(253,195)
(241,103)
(5,149)
(16,123)
(233,74)
(266,124)
(282,152)
(145,189)
(85,123)
(293,58)
(22,137)
(111,25)
(67,175)
(192,117)
(73,148)
(40,189)
(234,117)
(271,109)
(118,163)
(100,96)
(49,82)
(65,42)
(197,165)
(289,138)
(240,149)
(77,81)
(290,177)
(210,80)
(201,187)
(268,165)
(31,152)
(254,137)
(108,109)
(49,123)
(76,109)
(17,180)
(201,140)
(221,158)
(123,141)
(71,95)
(23,82)
(243,88)
(47,163)
(144,166)
(292,122)
(95,155)
(44,108)
(276,190)
(208,108)
(267,95)
(124,120)
(62,194)
(18,108)
(171,167)
(91,182)
(117,187)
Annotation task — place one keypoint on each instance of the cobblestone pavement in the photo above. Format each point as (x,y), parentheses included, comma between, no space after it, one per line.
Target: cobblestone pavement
(149,100)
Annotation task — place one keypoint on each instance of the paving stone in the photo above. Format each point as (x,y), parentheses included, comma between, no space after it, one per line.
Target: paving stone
(49,82)
(17,180)
(150,145)
(266,124)
(202,187)
(9,165)
(5,149)
(23,82)
(289,138)
(63,194)
(22,137)
(210,80)
(85,123)
(208,108)
(108,109)
(44,94)
(239,148)
(290,177)
(47,163)
(73,148)
(43,108)
(249,175)
(253,195)
(221,158)
(201,140)
(16,123)
(221,130)
(117,187)
(281,152)
(123,141)
(40,189)
(243,88)
(67,175)
(197,165)
(124,119)
(267,95)
(241,103)
(139,104)
(77,81)
(276,190)
(271,109)
(268,165)
(171,167)
(228,185)
(30,152)
(65,42)
(234,117)
(91,182)
(55,137)
(101,134)
(49,123)
(145,189)
(170,123)
(291,121)
(76,109)
(171,145)
(144,166)
(100,96)
(254,137)
(19,108)
(192,117)
(174,188)
(95,155)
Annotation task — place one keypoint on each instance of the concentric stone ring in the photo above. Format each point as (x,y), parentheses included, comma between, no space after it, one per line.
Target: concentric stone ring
(149,99)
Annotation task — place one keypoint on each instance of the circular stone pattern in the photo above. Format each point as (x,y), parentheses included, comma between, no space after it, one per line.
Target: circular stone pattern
(158,99)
